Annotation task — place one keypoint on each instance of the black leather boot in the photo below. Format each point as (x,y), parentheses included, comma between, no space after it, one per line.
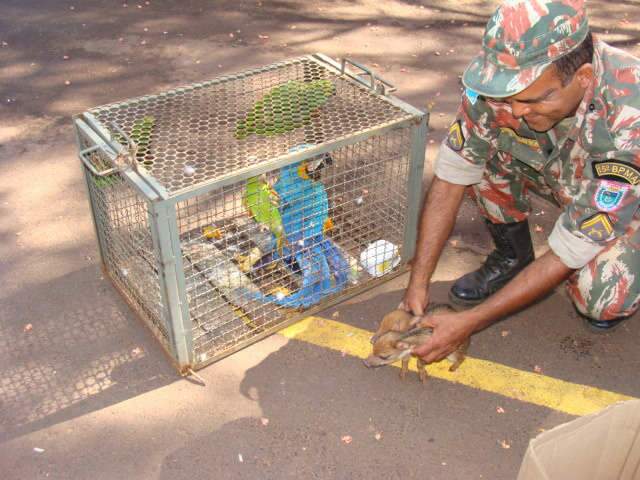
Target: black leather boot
(513,252)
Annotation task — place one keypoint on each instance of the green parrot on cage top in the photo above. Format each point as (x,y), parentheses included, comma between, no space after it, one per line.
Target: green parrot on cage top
(285,108)
(262,202)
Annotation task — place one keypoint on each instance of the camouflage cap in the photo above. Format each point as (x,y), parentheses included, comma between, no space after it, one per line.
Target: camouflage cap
(522,38)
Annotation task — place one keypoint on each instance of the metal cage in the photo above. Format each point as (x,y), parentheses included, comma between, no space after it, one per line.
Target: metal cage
(228,209)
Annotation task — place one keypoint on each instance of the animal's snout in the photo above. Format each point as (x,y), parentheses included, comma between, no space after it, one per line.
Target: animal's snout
(372,362)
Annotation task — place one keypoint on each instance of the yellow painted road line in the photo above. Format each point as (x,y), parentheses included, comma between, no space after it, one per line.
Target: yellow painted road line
(571,398)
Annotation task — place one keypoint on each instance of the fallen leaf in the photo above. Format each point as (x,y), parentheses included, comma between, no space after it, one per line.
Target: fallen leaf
(231,35)
(378,436)
(136,351)
(263,37)
(504,444)
(28,327)
(38,449)
(437,54)
(403,70)
(67,82)
(538,229)
(375,65)
(346,439)
(343,353)
(537,368)
(240,458)
(264,421)
(505,333)
(454,243)
(335,314)
(500,409)
(65,57)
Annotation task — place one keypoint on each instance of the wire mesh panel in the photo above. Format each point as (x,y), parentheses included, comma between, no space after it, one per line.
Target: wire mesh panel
(122,222)
(243,276)
(227,209)
(207,130)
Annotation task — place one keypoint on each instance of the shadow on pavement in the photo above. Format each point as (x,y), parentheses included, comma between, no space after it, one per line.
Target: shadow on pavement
(77,349)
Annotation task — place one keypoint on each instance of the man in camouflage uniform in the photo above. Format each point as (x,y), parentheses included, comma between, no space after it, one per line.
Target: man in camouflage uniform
(546,107)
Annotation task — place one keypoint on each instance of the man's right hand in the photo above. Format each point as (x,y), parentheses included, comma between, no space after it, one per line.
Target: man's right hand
(415,299)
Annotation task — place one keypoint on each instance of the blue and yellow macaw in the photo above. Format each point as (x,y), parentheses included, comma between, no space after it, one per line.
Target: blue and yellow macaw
(304,209)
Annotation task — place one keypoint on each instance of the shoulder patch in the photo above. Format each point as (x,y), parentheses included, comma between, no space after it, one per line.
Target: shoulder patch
(609,195)
(471,95)
(617,171)
(455,138)
(597,227)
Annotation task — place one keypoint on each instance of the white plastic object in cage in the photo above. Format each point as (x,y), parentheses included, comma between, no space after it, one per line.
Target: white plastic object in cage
(380,257)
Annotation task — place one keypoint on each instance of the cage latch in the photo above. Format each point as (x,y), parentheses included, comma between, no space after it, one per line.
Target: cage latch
(376,83)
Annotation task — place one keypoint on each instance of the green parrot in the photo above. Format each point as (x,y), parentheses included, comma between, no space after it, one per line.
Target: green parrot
(285,108)
(262,201)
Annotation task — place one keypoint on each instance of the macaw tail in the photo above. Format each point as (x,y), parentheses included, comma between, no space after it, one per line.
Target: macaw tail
(324,272)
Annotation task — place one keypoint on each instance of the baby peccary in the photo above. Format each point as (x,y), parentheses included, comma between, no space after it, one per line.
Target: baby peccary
(397,336)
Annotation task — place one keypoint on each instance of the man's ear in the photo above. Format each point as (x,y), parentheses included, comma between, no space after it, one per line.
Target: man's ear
(584,75)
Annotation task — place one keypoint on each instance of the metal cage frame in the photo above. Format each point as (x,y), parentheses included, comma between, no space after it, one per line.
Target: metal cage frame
(157,214)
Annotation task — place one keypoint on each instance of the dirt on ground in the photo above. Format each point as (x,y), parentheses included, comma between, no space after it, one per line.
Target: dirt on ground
(86,391)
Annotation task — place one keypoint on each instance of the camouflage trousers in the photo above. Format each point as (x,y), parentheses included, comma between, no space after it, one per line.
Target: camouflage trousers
(608,287)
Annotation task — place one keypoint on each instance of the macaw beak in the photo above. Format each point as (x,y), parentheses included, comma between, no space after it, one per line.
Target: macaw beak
(314,167)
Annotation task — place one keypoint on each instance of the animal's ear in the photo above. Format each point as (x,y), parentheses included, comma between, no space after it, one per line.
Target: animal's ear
(374,338)
(402,345)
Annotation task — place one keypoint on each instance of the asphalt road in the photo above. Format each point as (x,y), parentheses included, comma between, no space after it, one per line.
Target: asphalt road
(85,390)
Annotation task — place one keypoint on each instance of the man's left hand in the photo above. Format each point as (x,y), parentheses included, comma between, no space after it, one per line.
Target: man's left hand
(449,331)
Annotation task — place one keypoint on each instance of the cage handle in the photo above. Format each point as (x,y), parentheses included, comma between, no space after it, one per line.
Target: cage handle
(383,86)
(84,157)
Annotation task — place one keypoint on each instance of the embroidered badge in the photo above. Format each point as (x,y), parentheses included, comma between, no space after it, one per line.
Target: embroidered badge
(529,142)
(609,196)
(455,138)
(617,171)
(471,95)
(597,227)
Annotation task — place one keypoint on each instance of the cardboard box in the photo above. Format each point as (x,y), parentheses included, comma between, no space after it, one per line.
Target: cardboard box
(602,446)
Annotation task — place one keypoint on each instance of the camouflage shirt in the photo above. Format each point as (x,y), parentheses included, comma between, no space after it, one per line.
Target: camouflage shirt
(591,161)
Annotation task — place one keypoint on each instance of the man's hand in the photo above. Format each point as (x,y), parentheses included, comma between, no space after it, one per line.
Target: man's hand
(415,299)
(449,331)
